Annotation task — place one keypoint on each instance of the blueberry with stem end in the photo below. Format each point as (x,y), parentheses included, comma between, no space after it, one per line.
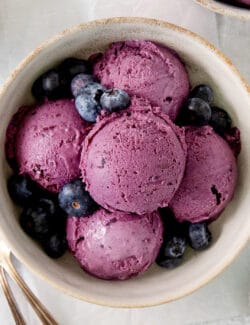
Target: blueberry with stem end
(75,200)
(94,90)
(87,103)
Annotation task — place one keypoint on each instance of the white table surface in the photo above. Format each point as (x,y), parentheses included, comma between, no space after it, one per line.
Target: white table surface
(26,23)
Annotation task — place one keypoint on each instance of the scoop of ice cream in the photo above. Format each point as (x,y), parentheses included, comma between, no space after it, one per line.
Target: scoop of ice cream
(115,245)
(210,177)
(48,143)
(145,69)
(133,161)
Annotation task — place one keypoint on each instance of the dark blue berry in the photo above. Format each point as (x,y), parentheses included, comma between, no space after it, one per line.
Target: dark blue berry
(169,263)
(114,100)
(199,236)
(220,120)
(171,252)
(70,67)
(75,200)
(204,92)
(87,107)
(174,247)
(55,245)
(21,189)
(79,82)
(42,218)
(50,85)
(196,112)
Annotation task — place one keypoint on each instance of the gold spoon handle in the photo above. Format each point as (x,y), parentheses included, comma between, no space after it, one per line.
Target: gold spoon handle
(10,299)
(38,307)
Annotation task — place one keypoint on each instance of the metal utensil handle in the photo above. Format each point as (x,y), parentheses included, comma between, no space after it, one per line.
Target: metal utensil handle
(10,299)
(38,307)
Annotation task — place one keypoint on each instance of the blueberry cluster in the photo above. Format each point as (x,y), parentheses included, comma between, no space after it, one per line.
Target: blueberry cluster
(176,238)
(91,97)
(41,217)
(198,110)
(73,78)
(55,83)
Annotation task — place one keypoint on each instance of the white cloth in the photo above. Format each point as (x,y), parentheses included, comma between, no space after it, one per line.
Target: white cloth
(26,23)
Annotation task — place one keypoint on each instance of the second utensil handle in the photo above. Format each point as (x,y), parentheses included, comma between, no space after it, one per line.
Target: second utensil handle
(38,307)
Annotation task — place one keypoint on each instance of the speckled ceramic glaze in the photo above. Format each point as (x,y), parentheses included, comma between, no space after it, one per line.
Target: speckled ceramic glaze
(205,64)
(226,9)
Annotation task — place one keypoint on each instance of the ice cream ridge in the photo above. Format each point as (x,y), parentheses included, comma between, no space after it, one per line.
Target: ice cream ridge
(120,161)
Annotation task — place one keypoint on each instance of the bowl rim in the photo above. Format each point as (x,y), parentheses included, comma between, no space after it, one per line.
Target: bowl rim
(21,66)
(225,9)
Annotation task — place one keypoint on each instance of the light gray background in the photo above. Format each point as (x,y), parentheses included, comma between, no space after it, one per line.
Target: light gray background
(26,23)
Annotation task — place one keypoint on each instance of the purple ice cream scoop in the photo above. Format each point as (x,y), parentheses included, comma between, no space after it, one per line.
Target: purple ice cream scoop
(46,142)
(210,177)
(115,245)
(133,161)
(145,69)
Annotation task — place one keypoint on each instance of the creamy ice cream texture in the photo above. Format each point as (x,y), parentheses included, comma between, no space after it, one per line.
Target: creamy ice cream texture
(145,69)
(134,161)
(210,177)
(48,143)
(115,245)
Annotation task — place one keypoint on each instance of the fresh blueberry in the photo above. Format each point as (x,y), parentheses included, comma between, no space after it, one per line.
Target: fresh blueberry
(87,107)
(42,218)
(199,236)
(220,120)
(196,112)
(94,90)
(204,92)
(175,247)
(114,100)
(75,200)
(70,67)
(21,189)
(169,263)
(79,82)
(174,242)
(51,85)
(55,245)
(87,103)
(171,252)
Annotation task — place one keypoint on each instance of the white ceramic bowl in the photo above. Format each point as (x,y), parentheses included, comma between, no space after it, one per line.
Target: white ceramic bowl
(205,64)
(226,9)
